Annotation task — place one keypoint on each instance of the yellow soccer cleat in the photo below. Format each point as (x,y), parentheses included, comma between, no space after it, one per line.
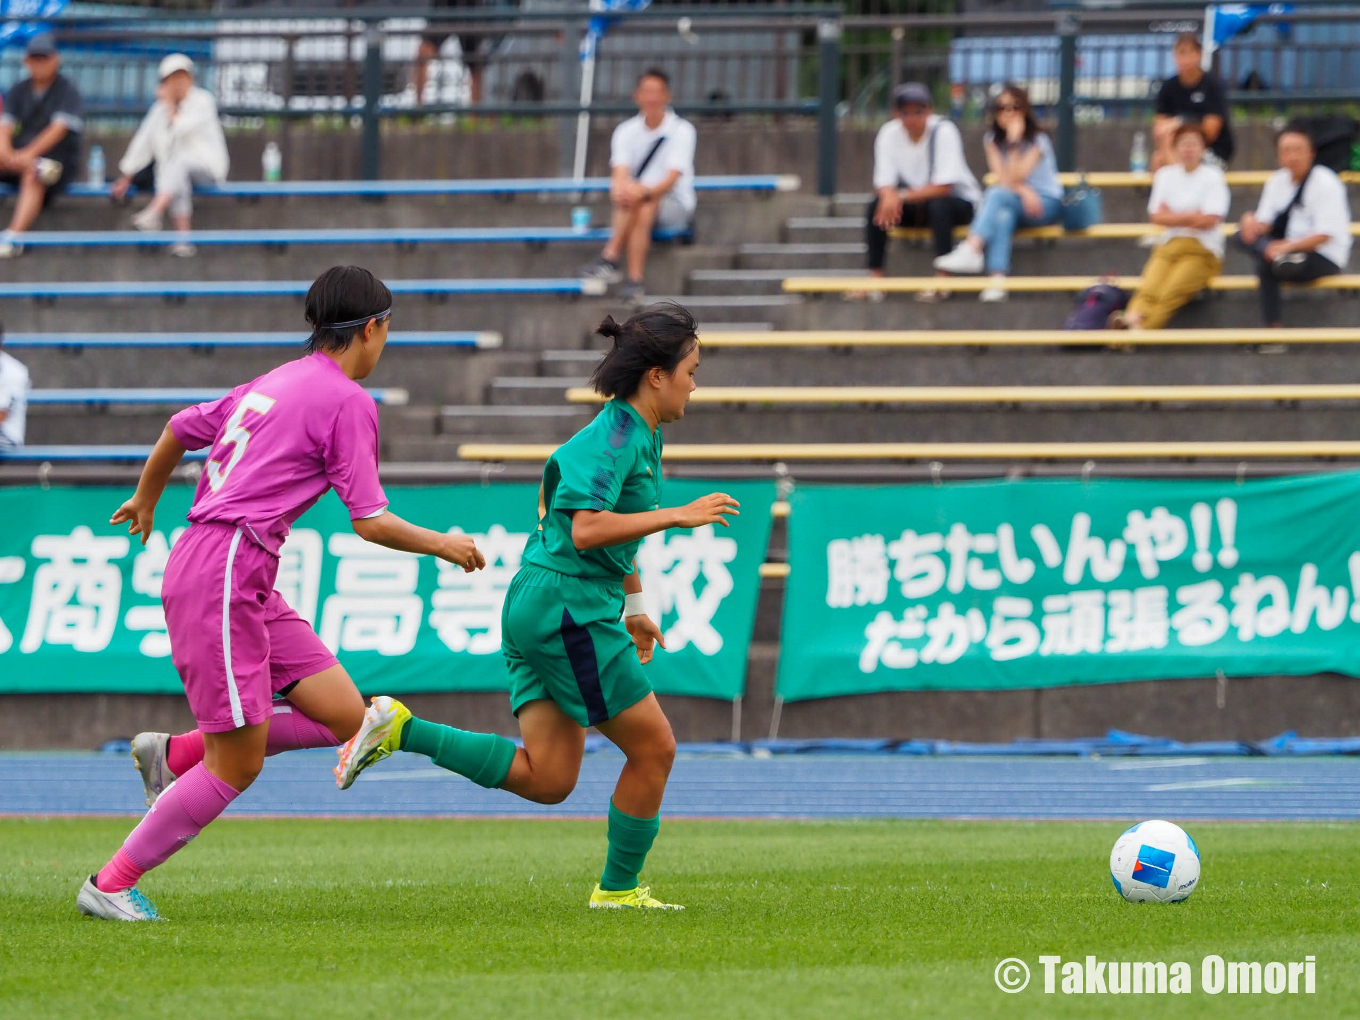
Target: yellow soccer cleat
(628,899)
(378,737)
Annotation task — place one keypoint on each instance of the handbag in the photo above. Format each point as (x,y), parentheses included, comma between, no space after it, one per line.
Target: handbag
(1082,206)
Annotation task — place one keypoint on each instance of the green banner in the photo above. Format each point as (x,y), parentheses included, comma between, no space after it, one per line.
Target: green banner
(80,601)
(1039,583)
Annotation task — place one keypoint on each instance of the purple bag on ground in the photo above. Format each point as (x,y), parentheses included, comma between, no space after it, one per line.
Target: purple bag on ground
(1095,305)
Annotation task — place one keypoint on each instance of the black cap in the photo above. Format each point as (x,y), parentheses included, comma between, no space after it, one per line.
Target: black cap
(42,45)
(913,93)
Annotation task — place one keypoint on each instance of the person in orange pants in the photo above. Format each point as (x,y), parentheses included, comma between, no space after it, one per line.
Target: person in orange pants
(1190,200)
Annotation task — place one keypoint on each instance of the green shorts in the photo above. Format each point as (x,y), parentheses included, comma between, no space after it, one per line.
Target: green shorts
(564,640)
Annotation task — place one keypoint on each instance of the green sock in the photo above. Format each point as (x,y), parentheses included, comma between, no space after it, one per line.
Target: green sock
(629,840)
(482,757)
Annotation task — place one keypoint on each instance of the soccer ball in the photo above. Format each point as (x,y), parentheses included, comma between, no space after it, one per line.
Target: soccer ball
(1155,861)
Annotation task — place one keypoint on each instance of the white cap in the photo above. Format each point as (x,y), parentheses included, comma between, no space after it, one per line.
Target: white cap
(175,62)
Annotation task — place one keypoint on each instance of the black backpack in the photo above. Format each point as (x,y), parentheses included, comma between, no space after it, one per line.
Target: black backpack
(1095,305)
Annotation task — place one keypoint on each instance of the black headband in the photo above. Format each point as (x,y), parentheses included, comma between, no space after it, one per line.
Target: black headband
(357,322)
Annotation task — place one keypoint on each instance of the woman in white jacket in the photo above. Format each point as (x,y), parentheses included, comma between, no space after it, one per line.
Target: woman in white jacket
(182,134)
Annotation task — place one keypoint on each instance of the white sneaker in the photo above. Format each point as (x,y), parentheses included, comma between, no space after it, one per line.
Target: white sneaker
(183,250)
(10,248)
(48,171)
(992,295)
(964,259)
(148,755)
(128,905)
(147,221)
(377,738)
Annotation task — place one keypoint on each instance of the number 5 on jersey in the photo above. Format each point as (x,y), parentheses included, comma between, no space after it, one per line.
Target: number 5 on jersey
(238,436)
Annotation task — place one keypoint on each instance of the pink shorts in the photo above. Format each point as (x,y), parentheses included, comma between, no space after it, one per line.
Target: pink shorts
(233,639)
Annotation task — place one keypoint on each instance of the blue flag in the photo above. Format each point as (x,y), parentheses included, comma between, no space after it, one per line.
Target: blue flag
(1229,20)
(599,24)
(16,33)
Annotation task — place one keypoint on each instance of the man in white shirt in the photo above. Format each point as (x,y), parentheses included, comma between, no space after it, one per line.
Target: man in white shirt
(651,159)
(1301,229)
(13,400)
(921,178)
(183,136)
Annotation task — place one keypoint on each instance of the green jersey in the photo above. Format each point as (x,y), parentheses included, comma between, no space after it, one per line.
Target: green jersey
(614,464)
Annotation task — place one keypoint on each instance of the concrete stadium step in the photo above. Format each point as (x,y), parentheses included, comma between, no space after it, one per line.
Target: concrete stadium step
(1040,366)
(527,321)
(569,365)
(667,269)
(739,282)
(112,425)
(527,422)
(430,375)
(721,218)
(801,256)
(824,230)
(1049,311)
(716,424)
(535,390)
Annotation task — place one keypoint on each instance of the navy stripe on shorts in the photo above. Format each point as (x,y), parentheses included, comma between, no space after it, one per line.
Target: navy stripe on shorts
(581,655)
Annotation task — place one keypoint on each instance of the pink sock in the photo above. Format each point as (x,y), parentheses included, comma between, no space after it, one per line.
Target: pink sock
(187,805)
(290,730)
(185,751)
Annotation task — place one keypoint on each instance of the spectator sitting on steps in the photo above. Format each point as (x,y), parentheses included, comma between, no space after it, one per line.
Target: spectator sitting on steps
(651,159)
(13,399)
(921,179)
(1301,229)
(1027,192)
(1190,198)
(182,138)
(39,138)
(1191,96)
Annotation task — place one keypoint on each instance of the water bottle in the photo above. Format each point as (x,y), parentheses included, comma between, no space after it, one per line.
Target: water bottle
(580,219)
(1138,153)
(271,163)
(95,170)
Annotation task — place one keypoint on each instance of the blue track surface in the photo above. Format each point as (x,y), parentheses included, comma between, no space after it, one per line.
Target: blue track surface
(799,786)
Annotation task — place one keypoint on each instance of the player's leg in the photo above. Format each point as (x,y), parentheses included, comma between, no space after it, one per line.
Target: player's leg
(323,707)
(643,734)
(220,646)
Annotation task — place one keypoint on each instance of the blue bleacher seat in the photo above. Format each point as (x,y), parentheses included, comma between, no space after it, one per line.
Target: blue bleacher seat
(382,235)
(391,396)
(406,338)
(38,454)
(286,288)
(488,186)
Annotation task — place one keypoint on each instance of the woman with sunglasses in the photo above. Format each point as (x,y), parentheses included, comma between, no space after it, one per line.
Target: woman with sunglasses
(277,444)
(1026,192)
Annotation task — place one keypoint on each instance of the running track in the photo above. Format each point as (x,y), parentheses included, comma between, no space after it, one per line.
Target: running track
(299,784)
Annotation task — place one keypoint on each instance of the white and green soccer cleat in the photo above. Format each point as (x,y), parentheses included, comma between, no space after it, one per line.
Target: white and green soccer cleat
(378,737)
(639,898)
(128,905)
(148,755)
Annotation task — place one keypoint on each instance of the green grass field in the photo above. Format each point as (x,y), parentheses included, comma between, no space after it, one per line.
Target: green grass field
(818,919)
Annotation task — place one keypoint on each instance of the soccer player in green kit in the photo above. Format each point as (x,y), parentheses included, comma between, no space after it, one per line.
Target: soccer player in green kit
(574,631)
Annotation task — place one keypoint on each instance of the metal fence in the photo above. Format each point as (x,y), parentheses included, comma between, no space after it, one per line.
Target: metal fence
(359,66)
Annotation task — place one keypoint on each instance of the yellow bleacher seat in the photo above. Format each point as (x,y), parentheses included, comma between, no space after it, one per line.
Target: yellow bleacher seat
(1127,179)
(700,452)
(1018,284)
(811,395)
(1101,232)
(736,339)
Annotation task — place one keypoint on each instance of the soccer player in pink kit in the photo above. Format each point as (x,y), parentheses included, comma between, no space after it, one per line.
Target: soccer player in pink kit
(277,445)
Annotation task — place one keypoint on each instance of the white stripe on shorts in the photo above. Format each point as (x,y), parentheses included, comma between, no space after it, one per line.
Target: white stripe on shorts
(232,693)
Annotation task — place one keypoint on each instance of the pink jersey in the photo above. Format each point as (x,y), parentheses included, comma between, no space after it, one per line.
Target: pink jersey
(278,443)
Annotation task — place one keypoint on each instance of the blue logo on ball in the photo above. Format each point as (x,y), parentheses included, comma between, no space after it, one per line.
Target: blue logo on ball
(1153,866)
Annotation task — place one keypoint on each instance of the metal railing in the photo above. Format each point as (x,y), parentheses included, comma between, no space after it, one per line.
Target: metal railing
(1082,60)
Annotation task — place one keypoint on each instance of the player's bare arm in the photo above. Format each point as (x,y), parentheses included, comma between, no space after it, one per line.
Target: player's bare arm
(139,512)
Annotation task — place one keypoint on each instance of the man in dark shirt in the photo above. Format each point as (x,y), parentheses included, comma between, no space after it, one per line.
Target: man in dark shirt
(1191,96)
(39,137)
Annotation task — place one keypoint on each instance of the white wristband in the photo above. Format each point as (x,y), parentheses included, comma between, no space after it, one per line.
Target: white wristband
(634,605)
